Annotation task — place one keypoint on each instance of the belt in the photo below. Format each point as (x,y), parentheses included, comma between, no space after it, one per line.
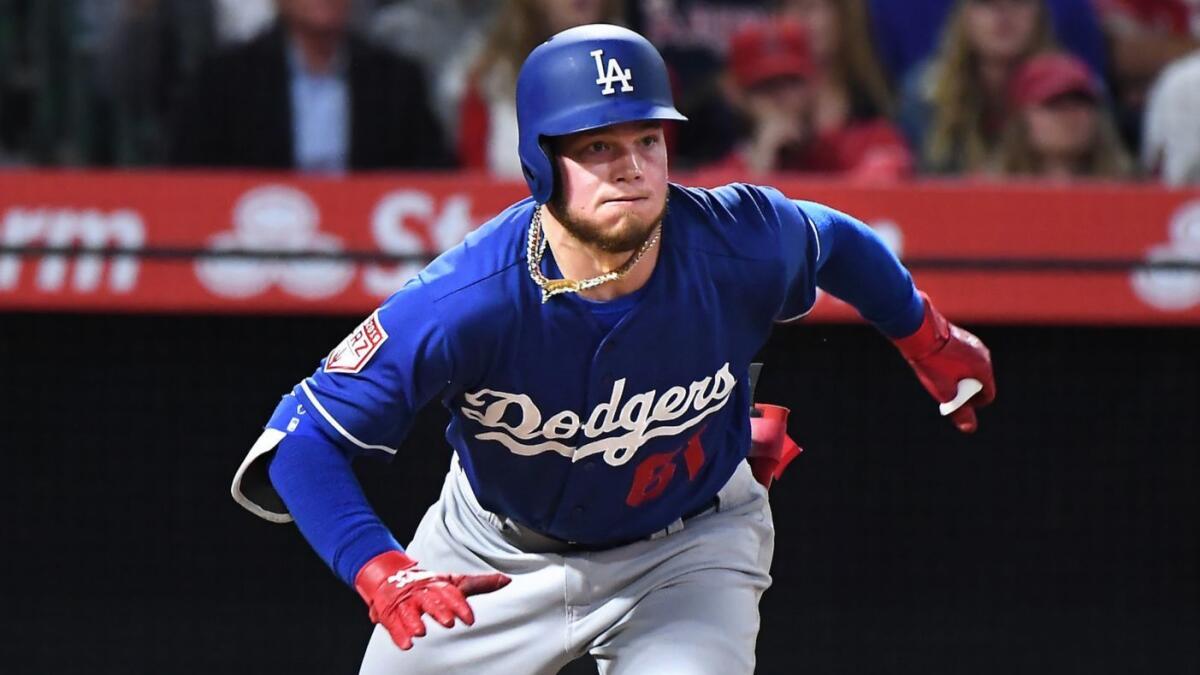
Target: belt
(710,505)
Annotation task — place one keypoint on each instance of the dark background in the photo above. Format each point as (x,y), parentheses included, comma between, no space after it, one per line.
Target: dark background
(1062,538)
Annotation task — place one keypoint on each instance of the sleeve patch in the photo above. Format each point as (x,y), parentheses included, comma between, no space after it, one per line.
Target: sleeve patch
(352,354)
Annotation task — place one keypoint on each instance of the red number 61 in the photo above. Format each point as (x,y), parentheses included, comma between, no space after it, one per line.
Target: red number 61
(655,472)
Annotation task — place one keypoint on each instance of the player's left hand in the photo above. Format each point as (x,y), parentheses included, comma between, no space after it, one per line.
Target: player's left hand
(399,593)
(954,366)
(771,449)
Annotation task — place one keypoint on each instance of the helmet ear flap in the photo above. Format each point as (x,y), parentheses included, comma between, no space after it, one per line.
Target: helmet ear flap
(547,146)
(530,176)
(540,171)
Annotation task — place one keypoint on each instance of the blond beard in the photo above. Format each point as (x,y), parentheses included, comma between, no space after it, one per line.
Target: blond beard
(626,239)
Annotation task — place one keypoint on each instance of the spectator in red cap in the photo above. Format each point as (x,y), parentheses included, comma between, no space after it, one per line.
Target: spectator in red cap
(772,77)
(953,107)
(1059,128)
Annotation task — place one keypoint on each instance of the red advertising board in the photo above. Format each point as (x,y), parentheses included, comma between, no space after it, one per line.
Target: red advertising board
(415,214)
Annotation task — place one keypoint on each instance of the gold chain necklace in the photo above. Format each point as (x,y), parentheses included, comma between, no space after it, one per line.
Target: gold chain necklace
(552,287)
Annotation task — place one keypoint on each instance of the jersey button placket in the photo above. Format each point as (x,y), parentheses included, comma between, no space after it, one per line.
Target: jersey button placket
(581,476)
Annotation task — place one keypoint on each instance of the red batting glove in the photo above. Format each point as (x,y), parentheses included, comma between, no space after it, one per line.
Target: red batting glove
(771,449)
(943,356)
(398,593)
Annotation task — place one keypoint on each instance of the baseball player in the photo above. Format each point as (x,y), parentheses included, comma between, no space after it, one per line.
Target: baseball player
(592,344)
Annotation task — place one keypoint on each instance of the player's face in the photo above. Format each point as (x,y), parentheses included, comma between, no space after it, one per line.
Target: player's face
(613,184)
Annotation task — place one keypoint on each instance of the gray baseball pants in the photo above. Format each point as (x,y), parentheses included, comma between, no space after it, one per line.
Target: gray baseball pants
(683,602)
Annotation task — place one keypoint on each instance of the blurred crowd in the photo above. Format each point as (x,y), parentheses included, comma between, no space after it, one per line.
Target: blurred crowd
(1058,90)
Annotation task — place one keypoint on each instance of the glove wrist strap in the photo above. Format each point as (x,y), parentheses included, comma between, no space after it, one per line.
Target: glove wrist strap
(932,335)
(377,570)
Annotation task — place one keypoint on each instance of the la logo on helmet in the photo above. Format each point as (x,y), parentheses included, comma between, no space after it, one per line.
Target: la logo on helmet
(615,73)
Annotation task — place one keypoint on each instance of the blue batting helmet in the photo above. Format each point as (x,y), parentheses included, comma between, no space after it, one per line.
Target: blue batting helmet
(584,78)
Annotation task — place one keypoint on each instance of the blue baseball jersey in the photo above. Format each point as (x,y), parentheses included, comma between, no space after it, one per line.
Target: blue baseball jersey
(591,427)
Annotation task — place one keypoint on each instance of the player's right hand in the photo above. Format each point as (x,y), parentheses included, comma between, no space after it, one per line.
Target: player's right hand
(398,593)
(945,358)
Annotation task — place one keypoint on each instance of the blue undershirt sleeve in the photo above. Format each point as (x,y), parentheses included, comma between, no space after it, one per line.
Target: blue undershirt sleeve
(852,263)
(360,401)
(314,478)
